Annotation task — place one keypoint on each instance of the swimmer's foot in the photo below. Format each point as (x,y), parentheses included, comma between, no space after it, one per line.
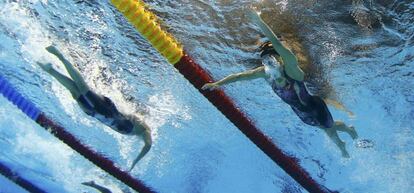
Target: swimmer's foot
(342,147)
(352,132)
(45,66)
(345,154)
(91,183)
(53,50)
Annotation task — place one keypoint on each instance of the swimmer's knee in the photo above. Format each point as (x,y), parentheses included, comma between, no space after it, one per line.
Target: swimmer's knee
(328,131)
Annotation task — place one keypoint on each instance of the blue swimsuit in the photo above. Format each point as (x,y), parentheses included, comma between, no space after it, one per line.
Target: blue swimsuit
(312,110)
(103,109)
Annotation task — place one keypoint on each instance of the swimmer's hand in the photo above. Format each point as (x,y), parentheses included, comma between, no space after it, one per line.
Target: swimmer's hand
(253,15)
(148,143)
(45,66)
(210,86)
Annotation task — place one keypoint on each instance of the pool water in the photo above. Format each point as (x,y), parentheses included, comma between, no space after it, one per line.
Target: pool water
(357,52)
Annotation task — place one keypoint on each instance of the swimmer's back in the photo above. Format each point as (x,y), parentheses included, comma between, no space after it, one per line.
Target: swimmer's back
(103,109)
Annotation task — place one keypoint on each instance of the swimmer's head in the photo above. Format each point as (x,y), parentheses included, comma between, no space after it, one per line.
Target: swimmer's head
(267,49)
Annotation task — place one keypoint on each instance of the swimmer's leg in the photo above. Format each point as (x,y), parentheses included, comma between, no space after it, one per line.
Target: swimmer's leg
(62,79)
(333,135)
(338,106)
(340,126)
(74,74)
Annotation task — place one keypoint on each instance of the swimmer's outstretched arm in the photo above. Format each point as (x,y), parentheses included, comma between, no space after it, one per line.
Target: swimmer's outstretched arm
(148,143)
(247,75)
(289,59)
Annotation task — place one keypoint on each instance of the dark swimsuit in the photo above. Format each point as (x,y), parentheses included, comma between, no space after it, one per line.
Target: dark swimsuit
(103,109)
(314,110)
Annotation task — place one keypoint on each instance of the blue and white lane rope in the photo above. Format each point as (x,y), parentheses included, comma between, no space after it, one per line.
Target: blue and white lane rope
(7,90)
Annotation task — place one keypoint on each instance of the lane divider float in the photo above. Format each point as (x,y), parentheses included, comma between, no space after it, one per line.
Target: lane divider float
(18,180)
(11,94)
(146,24)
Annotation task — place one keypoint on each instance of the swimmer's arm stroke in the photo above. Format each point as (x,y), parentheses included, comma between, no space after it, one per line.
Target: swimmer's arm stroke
(146,135)
(247,75)
(289,59)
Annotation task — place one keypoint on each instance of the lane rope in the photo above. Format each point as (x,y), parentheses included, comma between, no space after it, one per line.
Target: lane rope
(146,24)
(18,180)
(26,106)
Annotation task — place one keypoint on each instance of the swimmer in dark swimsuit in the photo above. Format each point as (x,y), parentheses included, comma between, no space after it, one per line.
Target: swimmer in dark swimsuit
(98,106)
(287,81)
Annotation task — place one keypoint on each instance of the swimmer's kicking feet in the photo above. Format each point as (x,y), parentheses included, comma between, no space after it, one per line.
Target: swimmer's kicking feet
(281,70)
(98,106)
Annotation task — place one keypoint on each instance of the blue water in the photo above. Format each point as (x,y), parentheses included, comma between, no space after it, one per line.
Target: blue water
(358,52)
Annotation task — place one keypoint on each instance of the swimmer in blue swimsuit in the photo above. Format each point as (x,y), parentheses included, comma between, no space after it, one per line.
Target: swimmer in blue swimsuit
(280,69)
(98,106)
